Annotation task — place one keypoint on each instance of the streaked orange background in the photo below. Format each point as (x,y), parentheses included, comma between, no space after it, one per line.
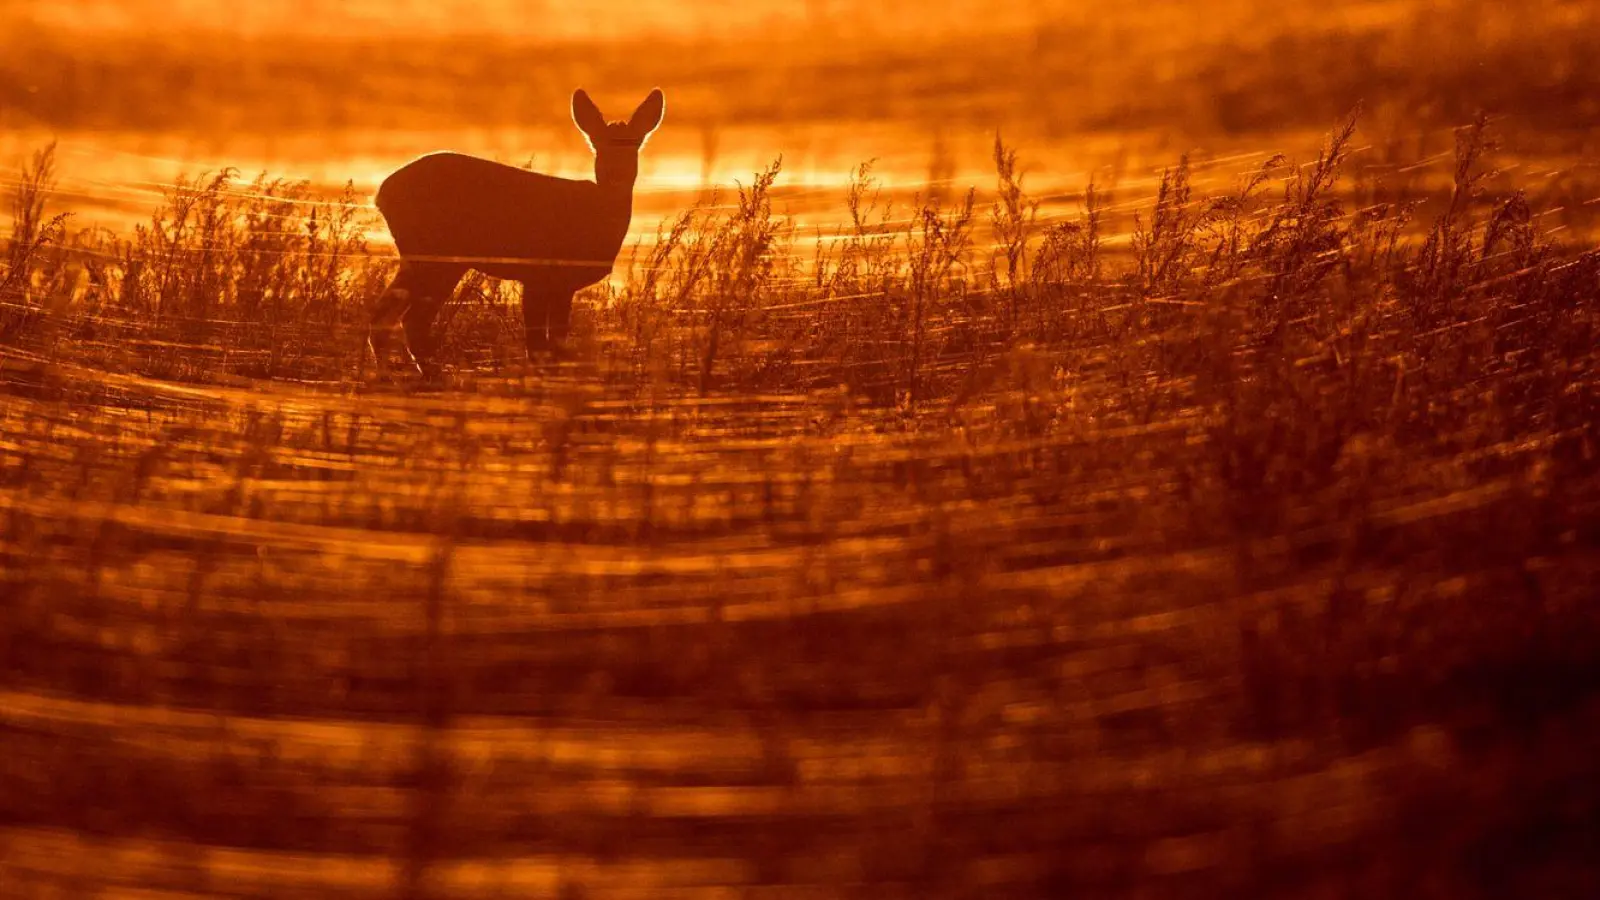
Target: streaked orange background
(139,92)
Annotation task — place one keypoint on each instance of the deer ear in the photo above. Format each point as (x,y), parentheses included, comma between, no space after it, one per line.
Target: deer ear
(647,117)
(586,115)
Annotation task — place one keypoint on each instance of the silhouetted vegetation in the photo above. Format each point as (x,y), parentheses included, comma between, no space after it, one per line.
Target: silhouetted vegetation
(967,550)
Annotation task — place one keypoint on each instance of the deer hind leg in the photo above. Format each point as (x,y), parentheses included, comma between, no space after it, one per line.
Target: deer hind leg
(435,285)
(421,341)
(411,300)
(386,314)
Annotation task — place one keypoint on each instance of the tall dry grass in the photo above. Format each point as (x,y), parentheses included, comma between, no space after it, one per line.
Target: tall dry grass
(959,550)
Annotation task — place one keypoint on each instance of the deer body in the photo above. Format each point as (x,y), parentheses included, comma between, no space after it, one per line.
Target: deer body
(449,212)
(504,221)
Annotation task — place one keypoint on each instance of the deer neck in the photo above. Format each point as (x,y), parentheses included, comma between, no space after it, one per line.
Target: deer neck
(615,177)
(616,196)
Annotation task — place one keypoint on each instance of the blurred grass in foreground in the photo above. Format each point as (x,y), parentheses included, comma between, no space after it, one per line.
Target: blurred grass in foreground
(959,552)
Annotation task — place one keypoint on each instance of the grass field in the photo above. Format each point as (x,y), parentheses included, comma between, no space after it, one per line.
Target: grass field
(1230,535)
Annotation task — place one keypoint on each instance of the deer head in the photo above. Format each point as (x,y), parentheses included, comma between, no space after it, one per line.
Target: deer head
(616,144)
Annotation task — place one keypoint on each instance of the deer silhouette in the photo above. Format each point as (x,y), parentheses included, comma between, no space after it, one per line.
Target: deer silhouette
(449,213)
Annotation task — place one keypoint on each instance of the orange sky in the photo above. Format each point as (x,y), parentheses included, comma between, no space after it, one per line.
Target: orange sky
(555,18)
(347,89)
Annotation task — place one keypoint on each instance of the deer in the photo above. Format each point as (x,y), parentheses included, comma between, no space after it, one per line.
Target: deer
(449,212)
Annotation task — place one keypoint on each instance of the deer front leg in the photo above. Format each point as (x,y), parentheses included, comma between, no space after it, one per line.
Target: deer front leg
(560,316)
(536,308)
(546,316)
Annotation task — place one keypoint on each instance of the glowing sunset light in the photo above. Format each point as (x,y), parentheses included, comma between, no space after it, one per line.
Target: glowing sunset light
(799,448)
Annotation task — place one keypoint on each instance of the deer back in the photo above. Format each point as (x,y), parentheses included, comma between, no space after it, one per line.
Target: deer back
(503,220)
